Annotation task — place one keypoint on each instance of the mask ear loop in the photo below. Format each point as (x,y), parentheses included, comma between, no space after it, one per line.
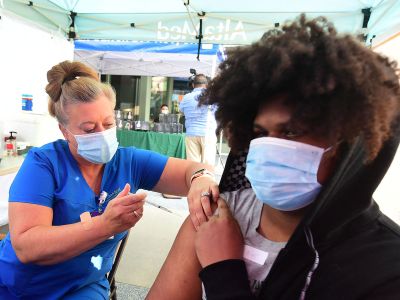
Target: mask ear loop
(68,141)
(333,146)
(328,149)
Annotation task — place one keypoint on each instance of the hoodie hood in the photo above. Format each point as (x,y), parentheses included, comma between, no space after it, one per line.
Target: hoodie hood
(348,194)
(343,237)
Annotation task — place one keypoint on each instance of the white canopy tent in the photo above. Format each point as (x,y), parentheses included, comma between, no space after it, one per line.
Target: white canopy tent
(221,22)
(198,22)
(147,58)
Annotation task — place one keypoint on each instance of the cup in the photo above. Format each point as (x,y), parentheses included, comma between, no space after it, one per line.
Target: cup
(180,128)
(128,125)
(118,114)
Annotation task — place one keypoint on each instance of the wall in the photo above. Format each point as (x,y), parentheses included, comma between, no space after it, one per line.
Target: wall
(27,52)
(387,194)
(390,48)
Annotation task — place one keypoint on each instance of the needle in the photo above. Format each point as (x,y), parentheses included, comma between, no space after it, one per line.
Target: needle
(159,206)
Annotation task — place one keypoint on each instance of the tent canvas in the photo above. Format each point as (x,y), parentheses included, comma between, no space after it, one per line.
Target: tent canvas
(146,58)
(183,22)
(221,22)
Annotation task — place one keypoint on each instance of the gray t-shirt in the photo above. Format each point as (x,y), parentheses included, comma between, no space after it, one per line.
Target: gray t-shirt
(247,211)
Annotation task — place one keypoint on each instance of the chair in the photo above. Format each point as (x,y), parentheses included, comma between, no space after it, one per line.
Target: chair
(3,231)
(111,274)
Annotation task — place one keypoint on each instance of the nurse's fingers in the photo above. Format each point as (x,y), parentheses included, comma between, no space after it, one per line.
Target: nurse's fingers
(132,207)
(130,199)
(138,213)
(125,191)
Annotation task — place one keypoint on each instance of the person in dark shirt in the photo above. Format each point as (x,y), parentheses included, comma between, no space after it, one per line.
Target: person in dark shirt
(319,115)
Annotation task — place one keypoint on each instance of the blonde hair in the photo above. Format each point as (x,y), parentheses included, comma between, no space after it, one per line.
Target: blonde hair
(71,83)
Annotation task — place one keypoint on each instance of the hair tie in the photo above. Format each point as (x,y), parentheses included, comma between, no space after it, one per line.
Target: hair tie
(69,78)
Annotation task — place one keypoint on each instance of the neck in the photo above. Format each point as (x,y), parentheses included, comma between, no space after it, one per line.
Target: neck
(93,174)
(277,225)
(85,166)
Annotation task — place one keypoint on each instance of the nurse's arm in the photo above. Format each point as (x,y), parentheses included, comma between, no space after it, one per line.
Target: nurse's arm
(175,180)
(36,240)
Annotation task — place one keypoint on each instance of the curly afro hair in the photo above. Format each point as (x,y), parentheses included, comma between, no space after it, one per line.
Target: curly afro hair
(337,87)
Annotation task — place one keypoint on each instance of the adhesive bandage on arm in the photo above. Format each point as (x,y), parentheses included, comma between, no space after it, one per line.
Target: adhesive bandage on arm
(86,220)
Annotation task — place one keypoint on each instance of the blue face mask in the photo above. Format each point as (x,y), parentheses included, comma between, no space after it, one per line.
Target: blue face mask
(283,173)
(98,147)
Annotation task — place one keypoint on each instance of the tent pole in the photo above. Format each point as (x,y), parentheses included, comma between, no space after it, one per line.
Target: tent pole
(200,35)
(48,18)
(387,40)
(38,5)
(72,33)
(190,17)
(367,15)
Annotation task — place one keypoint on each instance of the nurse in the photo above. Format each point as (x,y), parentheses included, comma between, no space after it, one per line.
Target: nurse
(73,200)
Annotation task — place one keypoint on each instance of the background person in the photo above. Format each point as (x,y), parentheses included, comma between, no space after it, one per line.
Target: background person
(63,230)
(320,114)
(200,124)
(163,110)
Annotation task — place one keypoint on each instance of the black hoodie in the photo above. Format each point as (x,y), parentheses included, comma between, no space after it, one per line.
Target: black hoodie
(344,248)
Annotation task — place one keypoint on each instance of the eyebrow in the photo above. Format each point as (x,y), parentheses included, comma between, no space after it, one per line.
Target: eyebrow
(259,128)
(279,126)
(90,122)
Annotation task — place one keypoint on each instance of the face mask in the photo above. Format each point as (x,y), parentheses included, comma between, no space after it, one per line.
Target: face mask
(164,111)
(98,147)
(283,173)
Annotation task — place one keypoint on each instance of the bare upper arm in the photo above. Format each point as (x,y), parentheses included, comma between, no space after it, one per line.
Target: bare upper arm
(178,277)
(173,178)
(24,216)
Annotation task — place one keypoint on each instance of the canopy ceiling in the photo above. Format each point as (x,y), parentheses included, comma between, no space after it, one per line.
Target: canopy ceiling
(148,58)
(223,21)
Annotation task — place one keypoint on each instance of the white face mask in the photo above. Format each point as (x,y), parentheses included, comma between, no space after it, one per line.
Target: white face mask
(283,173)
(98,147)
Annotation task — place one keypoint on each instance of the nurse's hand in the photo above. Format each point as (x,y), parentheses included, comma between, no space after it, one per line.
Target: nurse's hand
(220,238)
(124,211)
(202,191)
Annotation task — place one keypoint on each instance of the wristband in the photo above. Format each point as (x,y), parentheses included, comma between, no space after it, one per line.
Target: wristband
(86,220)
(200,173)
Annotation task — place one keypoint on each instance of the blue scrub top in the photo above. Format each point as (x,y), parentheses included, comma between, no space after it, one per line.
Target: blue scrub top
(50,176)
